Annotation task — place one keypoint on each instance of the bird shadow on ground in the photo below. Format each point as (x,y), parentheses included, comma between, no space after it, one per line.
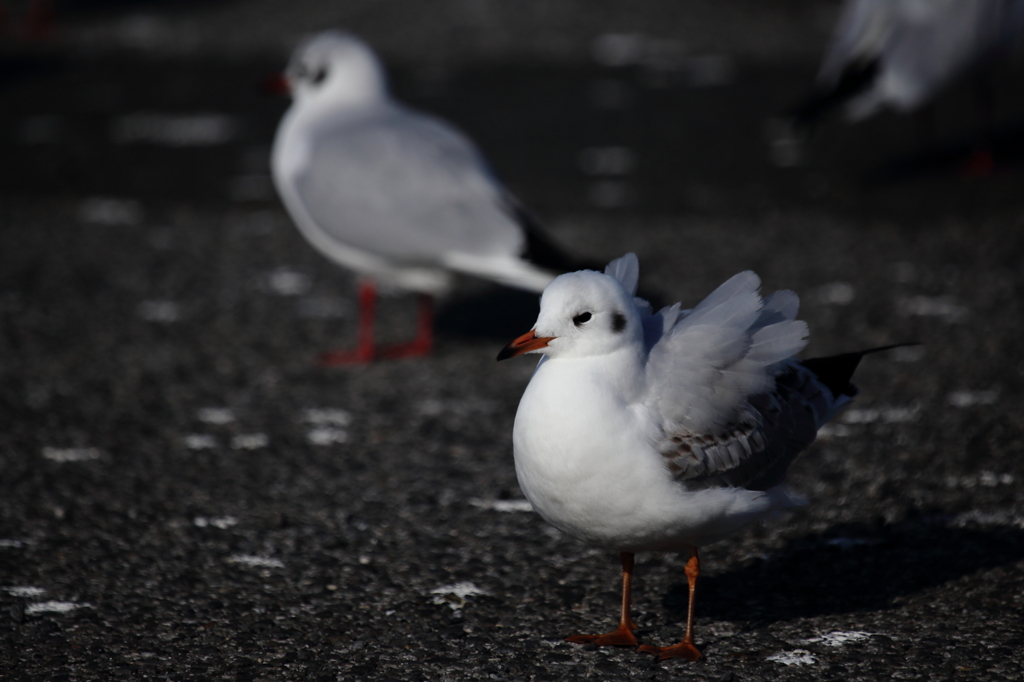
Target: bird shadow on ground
(849,567)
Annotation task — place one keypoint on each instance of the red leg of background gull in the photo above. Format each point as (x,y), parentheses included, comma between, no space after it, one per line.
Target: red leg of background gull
(424,341)
(686,648)
(622,635)
(364,351)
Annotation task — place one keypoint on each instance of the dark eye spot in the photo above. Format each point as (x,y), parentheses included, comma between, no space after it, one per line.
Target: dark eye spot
(581,318)
(618,322)
(319,75)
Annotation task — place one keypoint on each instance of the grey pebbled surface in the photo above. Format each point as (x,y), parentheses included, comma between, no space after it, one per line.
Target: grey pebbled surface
(257,549)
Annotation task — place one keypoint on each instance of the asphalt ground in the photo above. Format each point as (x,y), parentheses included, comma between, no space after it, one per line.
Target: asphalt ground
(184,494)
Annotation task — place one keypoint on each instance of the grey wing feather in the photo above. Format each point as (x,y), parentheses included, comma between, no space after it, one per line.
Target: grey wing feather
(408,187)
(754,453)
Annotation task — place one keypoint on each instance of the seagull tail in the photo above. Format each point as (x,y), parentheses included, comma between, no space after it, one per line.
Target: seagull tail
(835,371)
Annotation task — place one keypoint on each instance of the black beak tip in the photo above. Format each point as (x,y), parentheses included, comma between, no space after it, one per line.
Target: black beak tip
(506,353)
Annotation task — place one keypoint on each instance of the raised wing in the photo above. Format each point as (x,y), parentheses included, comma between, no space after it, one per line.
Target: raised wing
(407,187)
(731,398)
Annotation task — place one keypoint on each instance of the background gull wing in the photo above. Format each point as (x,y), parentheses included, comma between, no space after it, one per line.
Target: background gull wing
(917,46)
(862,31)
(406,187)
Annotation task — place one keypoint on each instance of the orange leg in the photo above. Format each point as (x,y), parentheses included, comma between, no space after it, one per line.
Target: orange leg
(686,648)
(364,350)
(623,635)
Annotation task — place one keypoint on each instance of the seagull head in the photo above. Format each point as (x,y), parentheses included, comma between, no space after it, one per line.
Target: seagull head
(335,67)
(582,314)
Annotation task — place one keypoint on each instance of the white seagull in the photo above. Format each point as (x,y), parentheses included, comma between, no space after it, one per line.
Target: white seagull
(900,53)
(399,197)
(667,431)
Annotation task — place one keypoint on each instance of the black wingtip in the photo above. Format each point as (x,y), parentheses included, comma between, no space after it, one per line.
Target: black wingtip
(855,78)
(539,248)
(835,371)
(542,251)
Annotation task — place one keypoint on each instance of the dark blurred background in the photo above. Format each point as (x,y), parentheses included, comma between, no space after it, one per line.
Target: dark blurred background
(184,494)
(649,107)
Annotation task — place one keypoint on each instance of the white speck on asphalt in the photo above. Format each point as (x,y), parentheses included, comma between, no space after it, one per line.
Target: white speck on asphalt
(327,435)
(110,211)
(189,130)
(838,638)
(796,657)
(255,561)
(944,307)
(615,160)
(249,441)
(502,505)
(52,607)
(200,441)
(455,595)
(25,591)
(160,311)
(326,416)
(971,398)
(985,479)
(221,522)
(837,293)
(216,415)
(71,454)
(889,415)
(287,282)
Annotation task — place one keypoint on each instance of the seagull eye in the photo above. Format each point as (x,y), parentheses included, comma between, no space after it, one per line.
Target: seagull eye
(319,75)
(581,318)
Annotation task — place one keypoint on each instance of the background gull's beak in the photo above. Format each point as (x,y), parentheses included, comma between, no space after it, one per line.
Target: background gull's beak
(524,344)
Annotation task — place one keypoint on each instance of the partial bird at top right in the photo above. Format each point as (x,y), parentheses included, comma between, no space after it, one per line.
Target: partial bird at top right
(900,54)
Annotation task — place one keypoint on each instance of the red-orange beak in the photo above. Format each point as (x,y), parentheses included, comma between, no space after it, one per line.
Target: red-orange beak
(524,344)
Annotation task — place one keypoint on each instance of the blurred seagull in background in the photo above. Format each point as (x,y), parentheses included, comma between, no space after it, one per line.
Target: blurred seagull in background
(667,431)
(901,53)
(401,198)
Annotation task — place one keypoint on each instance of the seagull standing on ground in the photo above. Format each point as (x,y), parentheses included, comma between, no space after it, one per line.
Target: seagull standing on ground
(399,197)
(668,431)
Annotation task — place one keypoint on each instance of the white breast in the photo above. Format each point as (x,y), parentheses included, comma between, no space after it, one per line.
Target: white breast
(584,459)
